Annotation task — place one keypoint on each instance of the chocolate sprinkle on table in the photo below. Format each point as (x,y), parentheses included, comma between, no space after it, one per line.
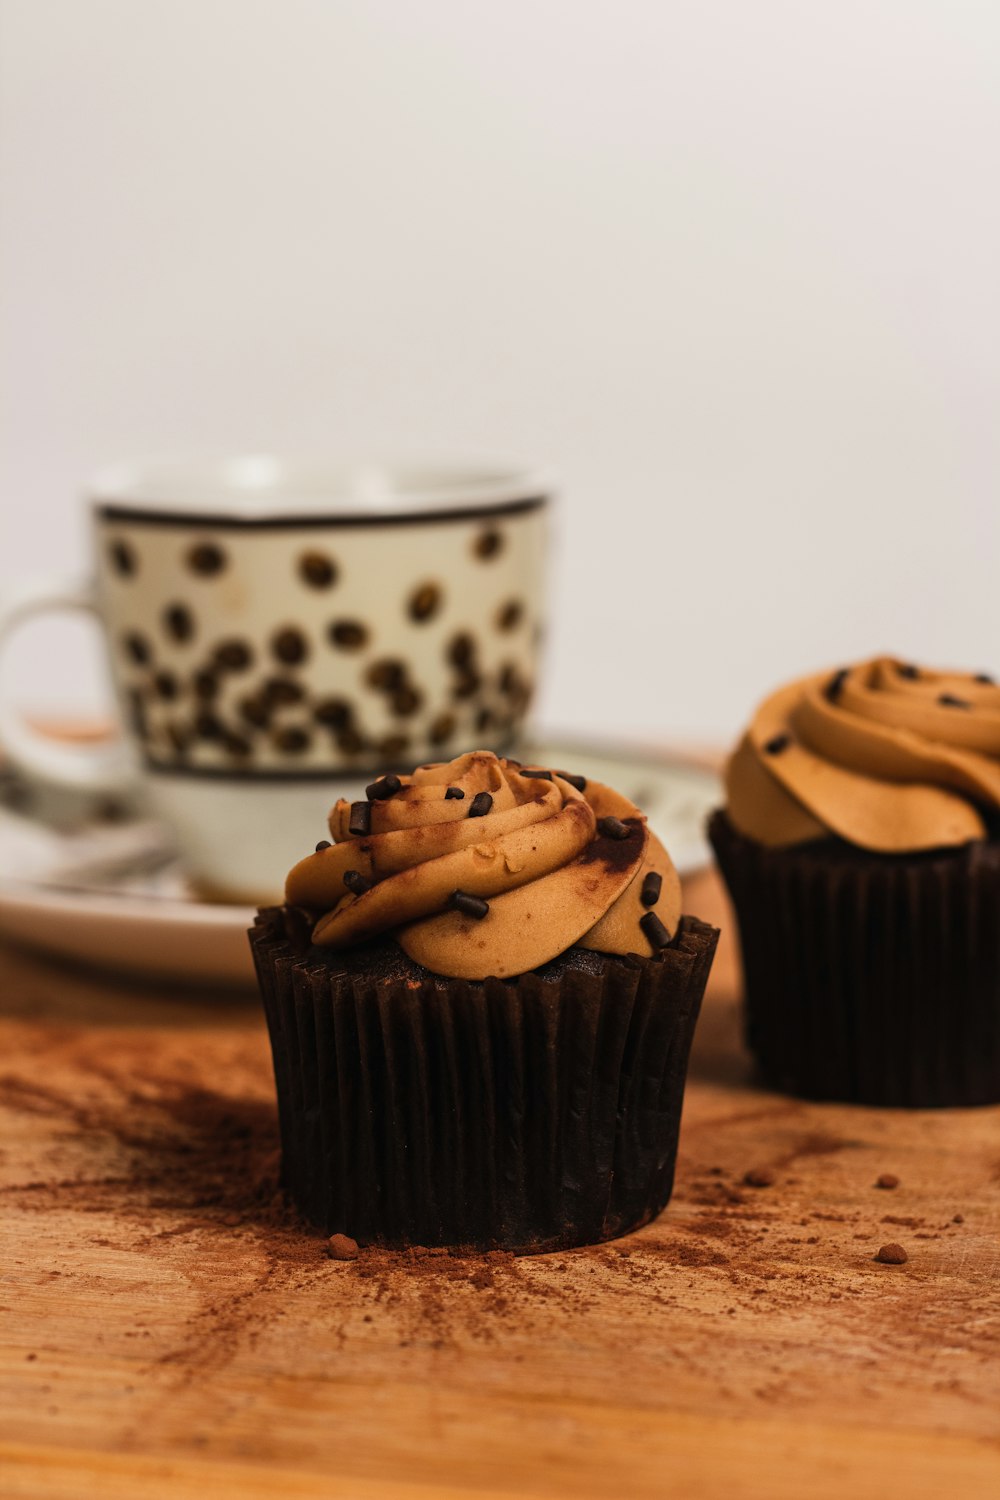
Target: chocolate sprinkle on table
(651,887)
(356,882)
(948,700)
(454,793)
(360,821)
(580,782)
(613,828)
(480,805)
(323,844)
(383,789)
(656,934)
(778,743)
(469,906)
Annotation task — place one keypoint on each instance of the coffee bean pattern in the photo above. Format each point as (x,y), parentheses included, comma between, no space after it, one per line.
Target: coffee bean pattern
(441,663)
(122,557)
(349,635)
(317,570)
(206,559)
(425,602)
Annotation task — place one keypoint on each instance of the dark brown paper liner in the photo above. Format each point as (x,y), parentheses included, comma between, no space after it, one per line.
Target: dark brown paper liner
(869,978)
(527,1114)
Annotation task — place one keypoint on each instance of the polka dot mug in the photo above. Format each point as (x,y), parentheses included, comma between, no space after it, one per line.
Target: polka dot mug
(275,627)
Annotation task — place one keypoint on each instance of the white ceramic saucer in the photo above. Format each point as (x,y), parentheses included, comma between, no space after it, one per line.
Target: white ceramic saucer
(108,892)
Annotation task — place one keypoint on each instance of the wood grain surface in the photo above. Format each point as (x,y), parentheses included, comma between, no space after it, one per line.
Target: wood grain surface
(168,1331)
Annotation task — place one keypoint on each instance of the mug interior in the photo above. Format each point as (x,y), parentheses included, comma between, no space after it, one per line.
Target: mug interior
(252,486)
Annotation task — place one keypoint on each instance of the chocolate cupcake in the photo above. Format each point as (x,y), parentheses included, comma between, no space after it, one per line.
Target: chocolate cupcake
(860,846)
(481,997)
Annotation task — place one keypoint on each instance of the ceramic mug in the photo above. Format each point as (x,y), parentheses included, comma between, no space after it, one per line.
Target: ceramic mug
(275,627)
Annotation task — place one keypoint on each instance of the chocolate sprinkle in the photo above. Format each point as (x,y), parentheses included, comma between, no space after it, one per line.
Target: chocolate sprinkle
(360,821)
(480,805)
(651,887)
(613,828)
(323,844)
(985,678)
(469,906)
(383,789)
(948,700)
(835,686)
(911,673)
(538,775)
(777,744)
(122,557)
(454,793)
(656,934)
(356,882)
(580,782)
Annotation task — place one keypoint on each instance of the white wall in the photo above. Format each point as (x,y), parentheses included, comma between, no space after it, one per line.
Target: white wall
(731,265)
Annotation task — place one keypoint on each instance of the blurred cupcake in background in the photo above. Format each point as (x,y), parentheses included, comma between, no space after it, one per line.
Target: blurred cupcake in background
(859,843)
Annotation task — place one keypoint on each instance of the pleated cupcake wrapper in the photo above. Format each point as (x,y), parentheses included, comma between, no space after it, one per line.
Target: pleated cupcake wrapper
(527,1115)
(871,979)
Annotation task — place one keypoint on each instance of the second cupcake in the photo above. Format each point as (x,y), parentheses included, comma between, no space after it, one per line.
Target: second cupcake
(859,844)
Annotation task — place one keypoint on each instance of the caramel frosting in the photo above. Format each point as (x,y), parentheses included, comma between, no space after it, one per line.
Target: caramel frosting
(891,757)
(480,866)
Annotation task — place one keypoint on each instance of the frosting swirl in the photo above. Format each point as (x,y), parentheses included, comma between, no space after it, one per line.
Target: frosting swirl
(479,867)
(887,756)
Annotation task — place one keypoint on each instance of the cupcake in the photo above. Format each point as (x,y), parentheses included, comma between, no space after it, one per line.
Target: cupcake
(481,997)
(859,842)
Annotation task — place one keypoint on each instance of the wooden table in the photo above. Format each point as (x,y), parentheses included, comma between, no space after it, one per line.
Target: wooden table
(167,1333)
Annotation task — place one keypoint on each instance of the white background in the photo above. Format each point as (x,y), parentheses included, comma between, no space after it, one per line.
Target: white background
(733,266)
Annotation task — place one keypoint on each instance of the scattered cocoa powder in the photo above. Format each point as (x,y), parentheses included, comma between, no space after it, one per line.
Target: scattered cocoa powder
(892,1255)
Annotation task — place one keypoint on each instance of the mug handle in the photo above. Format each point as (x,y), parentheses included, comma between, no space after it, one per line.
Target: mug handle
(96,768)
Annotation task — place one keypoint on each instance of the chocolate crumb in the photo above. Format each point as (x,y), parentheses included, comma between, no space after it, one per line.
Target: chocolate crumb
(356,882)
(958,1218)
(656,934)
(759,1177)
(383,789)
(948,700)
(323,844)
(454,794)
(360,821)
(469,906)
(580,782)
(651,887)
(887,1180)
(892,1255)
(480,805)
(777,744)
(613,828)
(342,1247)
